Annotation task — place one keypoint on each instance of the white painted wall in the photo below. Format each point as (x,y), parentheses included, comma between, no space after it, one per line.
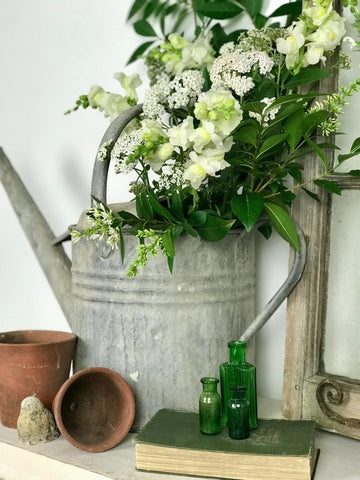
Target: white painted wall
(51,52)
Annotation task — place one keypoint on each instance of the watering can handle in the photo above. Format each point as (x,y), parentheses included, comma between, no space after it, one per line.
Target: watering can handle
(101,168)
(98,190)
(284,291)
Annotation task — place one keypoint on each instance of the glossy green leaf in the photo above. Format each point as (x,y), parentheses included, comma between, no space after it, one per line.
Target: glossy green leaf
(248,208)
(159,209)
(150,8)
(198,218)
(136,6)
(317,150)
(272,142)
(139,51)
(311,194)
(247,134)
(217,10)
(293,8)
(122,244)
(168,242)
(143,27)
(176,208)
(260,21)
(355,145)
(281,221)
(253,7)
(293,127)
(354,173)
(329,186)
(143,207)
(314,119)
(214,228)
(307,76)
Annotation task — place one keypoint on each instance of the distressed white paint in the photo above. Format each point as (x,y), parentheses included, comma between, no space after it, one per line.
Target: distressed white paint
(342,340)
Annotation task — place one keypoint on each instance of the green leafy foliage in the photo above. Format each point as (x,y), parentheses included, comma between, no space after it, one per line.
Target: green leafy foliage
(215,159)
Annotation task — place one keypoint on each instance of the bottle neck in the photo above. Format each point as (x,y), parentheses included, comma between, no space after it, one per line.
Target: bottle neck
(209,384)
(237,351)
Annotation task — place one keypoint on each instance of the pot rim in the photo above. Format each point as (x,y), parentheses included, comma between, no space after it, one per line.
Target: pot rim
(54,337)
(126,424)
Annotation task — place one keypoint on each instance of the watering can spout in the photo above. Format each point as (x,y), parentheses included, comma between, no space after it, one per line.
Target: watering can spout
(52,258)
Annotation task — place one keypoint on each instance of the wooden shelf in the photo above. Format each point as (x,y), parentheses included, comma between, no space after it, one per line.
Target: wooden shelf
(339,458)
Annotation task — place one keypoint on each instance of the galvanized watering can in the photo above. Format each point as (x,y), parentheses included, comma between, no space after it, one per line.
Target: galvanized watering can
(162,332)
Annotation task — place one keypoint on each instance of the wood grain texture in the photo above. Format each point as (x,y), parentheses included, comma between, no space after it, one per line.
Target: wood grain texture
(306,312)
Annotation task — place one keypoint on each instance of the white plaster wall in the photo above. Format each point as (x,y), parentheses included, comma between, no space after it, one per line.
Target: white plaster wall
(51,52)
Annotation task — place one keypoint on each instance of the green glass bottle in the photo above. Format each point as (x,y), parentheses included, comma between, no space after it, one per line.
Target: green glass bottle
(210,406)
(238,413)
(238,372)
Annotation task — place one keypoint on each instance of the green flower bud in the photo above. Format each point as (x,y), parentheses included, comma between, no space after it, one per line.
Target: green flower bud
(200,110)
(178,42)
(165,151)
(213,115)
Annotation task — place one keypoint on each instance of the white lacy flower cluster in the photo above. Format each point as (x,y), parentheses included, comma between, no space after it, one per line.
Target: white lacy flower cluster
(177,93)
(266,115)
(230,69)
(124,147)
(319,31)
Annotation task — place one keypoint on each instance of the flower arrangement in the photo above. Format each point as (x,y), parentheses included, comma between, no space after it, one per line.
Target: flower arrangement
(225,122)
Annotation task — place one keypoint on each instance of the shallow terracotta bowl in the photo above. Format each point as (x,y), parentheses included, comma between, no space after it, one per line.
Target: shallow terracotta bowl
(94,409)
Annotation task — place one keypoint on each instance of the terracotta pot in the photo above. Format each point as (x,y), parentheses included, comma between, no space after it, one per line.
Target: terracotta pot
(32,362)
(94,409)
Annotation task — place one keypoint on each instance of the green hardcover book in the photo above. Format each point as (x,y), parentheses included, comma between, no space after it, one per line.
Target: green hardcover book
(278,449)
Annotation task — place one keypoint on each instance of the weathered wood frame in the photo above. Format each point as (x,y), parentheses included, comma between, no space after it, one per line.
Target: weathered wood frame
(308,391)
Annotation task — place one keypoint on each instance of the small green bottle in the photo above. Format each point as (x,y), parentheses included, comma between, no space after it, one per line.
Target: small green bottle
(238,372)
(210,406)
(238,413)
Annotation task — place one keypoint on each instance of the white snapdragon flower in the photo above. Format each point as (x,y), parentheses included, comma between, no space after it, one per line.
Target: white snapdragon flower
(220,108)
(318,13)
(152,127)
(179,136)
(291,44)
(208,162)
(328,36)
(198,54)
(210,159)
(111,104)
(204,135)
(129,84)
(195,174)
(313,55)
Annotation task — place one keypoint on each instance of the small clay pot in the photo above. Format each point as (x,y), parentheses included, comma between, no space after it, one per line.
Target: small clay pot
(94,409)
(32,362)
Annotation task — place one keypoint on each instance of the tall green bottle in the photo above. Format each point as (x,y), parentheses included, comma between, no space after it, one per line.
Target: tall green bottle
(238,372)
